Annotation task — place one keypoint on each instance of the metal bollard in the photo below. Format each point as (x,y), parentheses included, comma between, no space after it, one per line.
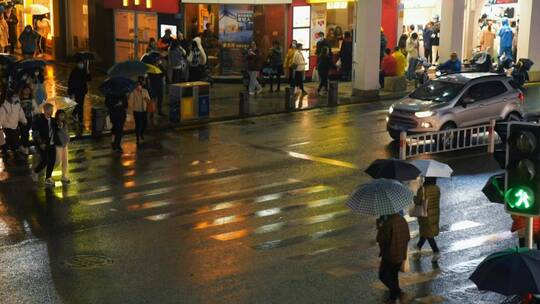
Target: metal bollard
(289,100)
(243,104)
(332,93)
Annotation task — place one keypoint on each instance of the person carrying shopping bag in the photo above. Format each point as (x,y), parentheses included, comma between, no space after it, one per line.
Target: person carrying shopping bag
(61,141)
(137,102)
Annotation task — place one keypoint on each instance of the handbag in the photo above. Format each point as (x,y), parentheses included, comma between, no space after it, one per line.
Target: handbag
(420,209)
(151,106)
(108,123)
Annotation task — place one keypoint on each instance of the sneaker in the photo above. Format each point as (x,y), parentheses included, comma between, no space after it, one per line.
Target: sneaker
(435,257)
(251,93)
(259,91)
(49,182)
(66,180)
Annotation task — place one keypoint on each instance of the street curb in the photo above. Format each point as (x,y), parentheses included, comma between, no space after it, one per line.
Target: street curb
(188,125)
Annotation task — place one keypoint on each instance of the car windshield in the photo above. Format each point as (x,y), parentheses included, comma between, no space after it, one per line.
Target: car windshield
(437,91)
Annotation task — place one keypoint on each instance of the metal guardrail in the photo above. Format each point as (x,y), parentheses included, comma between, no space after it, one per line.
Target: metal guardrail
(447,140)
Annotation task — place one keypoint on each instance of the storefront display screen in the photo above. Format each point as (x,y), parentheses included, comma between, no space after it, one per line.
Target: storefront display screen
(164,27)
(301,16)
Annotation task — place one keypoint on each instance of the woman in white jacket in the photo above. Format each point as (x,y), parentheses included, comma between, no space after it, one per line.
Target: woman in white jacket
(11,114)
(299,65)
(196,59)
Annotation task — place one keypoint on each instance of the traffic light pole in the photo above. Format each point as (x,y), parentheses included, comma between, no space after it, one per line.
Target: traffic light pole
(529,235)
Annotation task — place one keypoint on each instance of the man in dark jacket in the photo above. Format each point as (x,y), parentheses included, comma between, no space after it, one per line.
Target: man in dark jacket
(117,106)
(426,34)
(43,134)
(78,87)
(345,55)
(393,237)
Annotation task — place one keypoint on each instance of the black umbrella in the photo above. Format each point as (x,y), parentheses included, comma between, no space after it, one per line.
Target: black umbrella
(117,85)
(494,189)
(31,64)
(151,57)
(85,56)
(129,69)
(7,59)
(392,169)
(510,272)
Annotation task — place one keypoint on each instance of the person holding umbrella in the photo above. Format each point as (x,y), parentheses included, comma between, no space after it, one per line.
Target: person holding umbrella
(115,90)
(78,87)
(429,196)
(385,198)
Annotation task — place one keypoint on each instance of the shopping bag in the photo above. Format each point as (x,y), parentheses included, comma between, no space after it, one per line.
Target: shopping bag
(151,106)
(315,76)
(419,209)
(108,123)
(405,265)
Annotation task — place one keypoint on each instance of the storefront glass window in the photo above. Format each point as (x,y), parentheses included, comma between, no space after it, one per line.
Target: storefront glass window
(78,26)
(132,32)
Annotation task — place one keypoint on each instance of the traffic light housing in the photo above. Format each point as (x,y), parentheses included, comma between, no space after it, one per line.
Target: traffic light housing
(522,169)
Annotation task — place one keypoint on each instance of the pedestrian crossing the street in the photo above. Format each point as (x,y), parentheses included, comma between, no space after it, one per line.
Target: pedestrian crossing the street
(296,220)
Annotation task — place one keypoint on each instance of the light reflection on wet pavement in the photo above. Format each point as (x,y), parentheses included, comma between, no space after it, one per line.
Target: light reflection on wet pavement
(249,213)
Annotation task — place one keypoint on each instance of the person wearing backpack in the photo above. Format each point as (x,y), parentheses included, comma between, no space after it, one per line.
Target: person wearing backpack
(429,196)
(196,60)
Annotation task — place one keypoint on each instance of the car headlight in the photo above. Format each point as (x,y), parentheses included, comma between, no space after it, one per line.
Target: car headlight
(424,114)
(391,109)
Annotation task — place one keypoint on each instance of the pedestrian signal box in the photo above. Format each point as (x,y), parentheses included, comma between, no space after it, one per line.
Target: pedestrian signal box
(522,169)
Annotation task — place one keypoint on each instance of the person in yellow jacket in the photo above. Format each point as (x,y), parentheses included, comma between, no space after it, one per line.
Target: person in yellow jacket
(401,61)
(288,62)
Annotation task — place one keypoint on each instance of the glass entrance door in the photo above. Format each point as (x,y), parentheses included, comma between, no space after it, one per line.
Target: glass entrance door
(133,30)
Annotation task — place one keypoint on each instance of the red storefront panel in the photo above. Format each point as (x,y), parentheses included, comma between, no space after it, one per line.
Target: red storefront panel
(158,6)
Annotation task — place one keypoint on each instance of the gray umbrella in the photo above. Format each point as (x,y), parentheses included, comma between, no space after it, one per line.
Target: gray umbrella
(380,197)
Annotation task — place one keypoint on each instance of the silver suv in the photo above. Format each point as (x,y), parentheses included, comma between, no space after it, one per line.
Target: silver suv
(455,101)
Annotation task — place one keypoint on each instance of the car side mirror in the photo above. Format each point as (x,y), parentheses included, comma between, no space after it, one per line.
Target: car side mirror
(466,101)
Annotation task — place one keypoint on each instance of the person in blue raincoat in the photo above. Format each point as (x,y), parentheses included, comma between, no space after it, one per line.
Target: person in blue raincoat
(506,36)
(453,65)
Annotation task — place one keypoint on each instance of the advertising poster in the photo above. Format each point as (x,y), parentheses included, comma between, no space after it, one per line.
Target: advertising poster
(236,24)
(235,35)
(318,24)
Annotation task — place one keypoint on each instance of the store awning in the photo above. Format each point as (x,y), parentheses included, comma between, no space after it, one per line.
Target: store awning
(238,1)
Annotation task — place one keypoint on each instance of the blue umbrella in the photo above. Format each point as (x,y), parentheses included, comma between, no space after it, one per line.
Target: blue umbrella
(510,272)
(117,86)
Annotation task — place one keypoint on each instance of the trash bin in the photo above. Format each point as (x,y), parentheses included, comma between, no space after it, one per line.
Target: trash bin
(99,116)
(332,93)
(189,100)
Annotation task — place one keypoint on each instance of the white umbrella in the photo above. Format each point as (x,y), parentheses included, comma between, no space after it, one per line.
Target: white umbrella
(36,9)
(432,168)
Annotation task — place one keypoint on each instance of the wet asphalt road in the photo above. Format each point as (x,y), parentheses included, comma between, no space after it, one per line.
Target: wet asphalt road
(248,211)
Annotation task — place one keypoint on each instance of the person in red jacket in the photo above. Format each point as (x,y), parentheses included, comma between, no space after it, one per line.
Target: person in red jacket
(388,66)
(519,224)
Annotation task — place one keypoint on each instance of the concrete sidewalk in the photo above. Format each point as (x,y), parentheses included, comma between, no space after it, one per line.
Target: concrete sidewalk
(224,102)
